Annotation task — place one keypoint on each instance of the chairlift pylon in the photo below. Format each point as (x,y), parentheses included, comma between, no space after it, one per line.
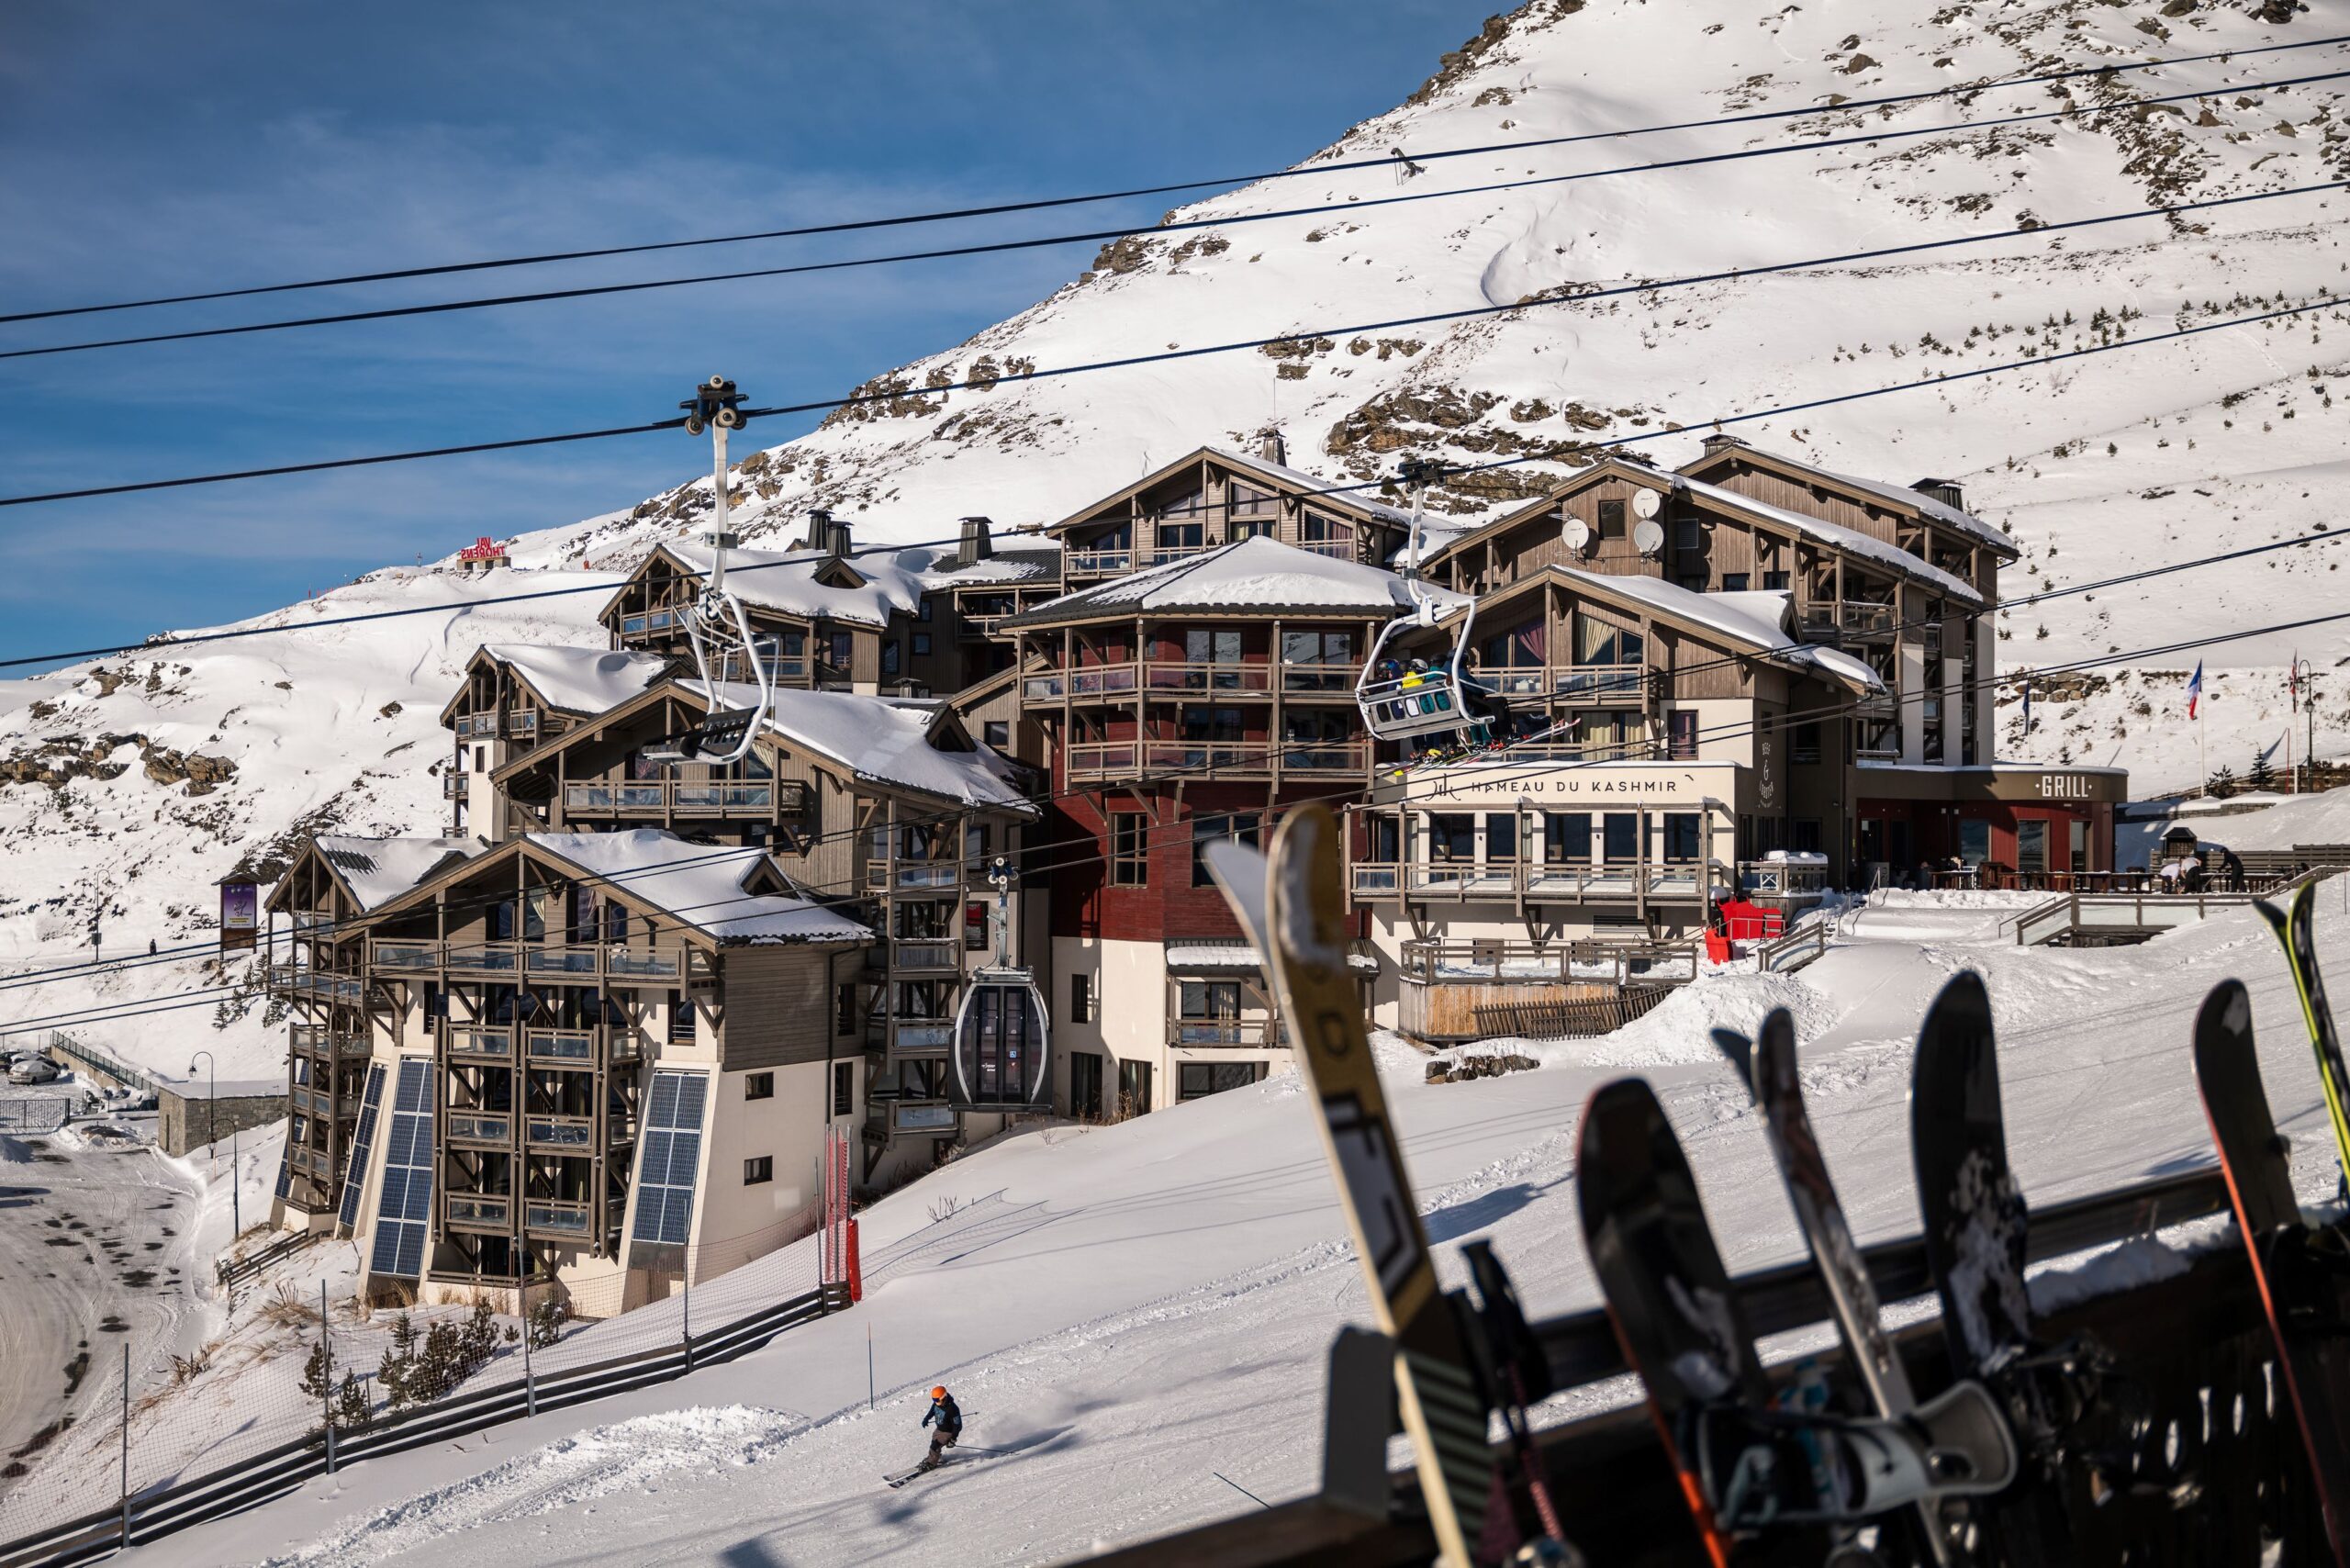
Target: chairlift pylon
(716,621)
(1431,700)
(1002,1056)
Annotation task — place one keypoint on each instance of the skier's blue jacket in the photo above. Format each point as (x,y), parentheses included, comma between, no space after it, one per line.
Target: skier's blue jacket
(946,1413)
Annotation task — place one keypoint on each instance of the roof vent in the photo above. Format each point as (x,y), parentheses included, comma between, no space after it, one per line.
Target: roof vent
(1271,447)
(1718,441)
(826,532)
(976,542)
(1943,490)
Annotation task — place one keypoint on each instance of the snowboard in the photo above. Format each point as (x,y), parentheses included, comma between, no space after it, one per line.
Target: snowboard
(1294,909)
(2298,1272)
(1768,1065)
(2293,928)
(1975,1234)
(1676,1316)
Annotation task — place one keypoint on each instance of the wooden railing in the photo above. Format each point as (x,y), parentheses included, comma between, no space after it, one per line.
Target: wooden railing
(586,960)
(1662,882)
(683,797)
(1234,1034)
(1098,759)
(1603,963)
(1584,683)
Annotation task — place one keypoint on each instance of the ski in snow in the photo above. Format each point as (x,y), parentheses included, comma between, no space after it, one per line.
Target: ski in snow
(1768,1065)
(1294,910)
(2294,930)
(2300,1272)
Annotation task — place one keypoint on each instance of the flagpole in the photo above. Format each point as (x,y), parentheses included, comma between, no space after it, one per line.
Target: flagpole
(2202,763)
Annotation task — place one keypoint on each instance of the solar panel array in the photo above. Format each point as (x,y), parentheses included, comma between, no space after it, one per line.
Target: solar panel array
(363,1143)
(672,1149)
(403,1218)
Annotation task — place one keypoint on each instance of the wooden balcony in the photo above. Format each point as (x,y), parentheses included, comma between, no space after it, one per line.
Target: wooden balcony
(1226,1034)
(1244,759)
(566,1048)
(928,955)
(1107,561)
(1850,619)
(556,1217)
(472,1044)
(1572,883)
(687,798)
(478,1130)
(910,1037)
(299,981)
(309,1161)
(1614,964)
(651,623)
(505,960)
(559,1135)
(918,875)
(336,1045)
(1619,684)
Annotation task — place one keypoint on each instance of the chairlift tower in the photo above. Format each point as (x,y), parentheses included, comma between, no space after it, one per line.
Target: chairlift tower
(715,621)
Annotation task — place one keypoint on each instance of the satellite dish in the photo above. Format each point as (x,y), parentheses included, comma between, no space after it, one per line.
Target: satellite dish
(1648,535)
(1647,503)
(1575,532)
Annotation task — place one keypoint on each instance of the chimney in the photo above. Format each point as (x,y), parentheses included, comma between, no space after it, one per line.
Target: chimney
(820,529)
(977,542)
(836,537)
(1943,490)
(1271,447)
(1720,441)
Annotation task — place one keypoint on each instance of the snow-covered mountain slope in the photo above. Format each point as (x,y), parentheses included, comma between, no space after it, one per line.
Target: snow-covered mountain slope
(1136,1319)
(2096,466)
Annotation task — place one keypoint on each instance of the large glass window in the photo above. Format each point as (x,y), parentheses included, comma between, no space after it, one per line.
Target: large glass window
(1452,835)
(2031,846)
(1599,643)
(1501,837)
(1197,1080)
(1682,836)
(1974,841)
(1620,836)
(1129,849)
(1520,647)
(1327,535)
(1611,520)
(1566,837)
(1239,826)
(1681,735)
(1209,999)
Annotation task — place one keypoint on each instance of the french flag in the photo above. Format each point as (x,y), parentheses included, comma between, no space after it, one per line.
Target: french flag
(2195,690)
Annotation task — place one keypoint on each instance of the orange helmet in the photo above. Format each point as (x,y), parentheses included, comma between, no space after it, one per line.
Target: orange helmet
(939,1393)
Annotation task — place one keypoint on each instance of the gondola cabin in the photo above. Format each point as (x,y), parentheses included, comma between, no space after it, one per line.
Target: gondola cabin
(1001,1055)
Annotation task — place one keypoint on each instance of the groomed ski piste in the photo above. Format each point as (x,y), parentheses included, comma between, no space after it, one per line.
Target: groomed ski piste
(1136,1317)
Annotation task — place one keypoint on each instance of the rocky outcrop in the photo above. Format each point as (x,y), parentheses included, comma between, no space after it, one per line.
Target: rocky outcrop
(55,763)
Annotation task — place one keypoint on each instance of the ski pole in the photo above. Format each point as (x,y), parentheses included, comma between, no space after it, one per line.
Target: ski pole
(1236,1485)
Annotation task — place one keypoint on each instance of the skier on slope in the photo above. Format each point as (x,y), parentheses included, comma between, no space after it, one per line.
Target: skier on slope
(949,1418)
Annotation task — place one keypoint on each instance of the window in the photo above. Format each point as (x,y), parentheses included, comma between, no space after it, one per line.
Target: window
(2031,846)
(1209,999)
(843,1088)
(922,639)
(1566,838)
(997,733)
(1183,538)
(2080,861)
(1681,735)
(1325,535)
(1517,648)
(1805,747)
(1803,835)
(1620,836)
(759,1168)
(1974,841)
(889,659)
(1597,642)
(1452,836)
(1734,582)
(1129,850)
(1211,732)
(1200,1079)
(1084,1084)
(498,921)
(1246,500)
(976,936)
(681,1019)
(1319,739)
(1134,1087)
(1239,826)
(1080,999)
(843,645)
(1688,534)
(1318,661)
(1775,581)
(844,1010)
(758,1086)
(1611,520)
(1501,837)
(1682,836)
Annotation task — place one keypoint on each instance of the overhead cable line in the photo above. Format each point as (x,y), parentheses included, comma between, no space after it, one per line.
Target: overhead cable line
(183,953)
(392,312)
(1843,107)
(1163,356)
(1534,766)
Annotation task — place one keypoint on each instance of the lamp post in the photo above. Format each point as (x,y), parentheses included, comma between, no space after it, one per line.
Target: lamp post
(212,1110)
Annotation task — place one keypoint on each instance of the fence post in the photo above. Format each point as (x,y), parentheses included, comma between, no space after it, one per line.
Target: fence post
(529,1380)
(126,1445)
(326,1376)
(687,1273)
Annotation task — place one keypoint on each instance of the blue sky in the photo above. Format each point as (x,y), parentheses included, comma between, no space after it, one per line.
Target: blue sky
(154,147)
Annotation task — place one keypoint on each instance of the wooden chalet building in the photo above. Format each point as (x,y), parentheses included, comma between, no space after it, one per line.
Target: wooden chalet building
(516,697)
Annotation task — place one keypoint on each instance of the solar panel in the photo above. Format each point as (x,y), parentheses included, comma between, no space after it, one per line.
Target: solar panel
(355,1171)
(404,1210)
(671,1149)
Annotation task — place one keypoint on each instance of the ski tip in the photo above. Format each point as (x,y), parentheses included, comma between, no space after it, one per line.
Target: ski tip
(2224,1022)
(2277,918)
(1740,1052)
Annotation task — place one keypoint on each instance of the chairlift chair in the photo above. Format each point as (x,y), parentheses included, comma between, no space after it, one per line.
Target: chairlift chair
(716,623)
(1423,703)
(1001,1057)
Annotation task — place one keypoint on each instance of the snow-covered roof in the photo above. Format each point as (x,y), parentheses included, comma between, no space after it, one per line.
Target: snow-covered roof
(785,580)
(1756,620)
(1363,501)
(578,679)
(1850,540)
(1258,574)
(1237,957)
(378,870)
(887,740)
(699,885)
(1939,511)
(1027,564)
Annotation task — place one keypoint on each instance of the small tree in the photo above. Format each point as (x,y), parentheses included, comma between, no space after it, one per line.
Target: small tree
(314,1372)
(398,1363)
(2221,784)
(547,1319)
(2260,776)
(352,1407)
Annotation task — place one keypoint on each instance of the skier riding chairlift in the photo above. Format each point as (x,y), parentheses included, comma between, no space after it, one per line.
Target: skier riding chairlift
(715,621)
(1434,707)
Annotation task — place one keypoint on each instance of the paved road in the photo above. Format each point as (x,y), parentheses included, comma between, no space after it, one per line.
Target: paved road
(94,1251)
